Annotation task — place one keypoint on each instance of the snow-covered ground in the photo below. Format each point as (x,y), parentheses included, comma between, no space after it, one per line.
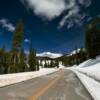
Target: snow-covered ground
(89,74)
(19,77)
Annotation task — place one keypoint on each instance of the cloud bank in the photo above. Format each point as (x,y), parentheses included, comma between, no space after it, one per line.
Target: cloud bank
(4,23)
(51,9)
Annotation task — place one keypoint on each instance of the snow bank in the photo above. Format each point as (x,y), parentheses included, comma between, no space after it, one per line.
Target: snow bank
(91,85)
(19,77)
(90,68)
(92,71)
(89,74)
(89,62)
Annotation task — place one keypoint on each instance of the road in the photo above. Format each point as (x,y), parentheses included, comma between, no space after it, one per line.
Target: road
(61,85)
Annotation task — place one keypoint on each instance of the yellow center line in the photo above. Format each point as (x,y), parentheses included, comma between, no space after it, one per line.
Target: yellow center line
(42,89)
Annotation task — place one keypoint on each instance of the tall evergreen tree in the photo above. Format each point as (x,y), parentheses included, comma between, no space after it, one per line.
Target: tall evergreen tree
(16,46)
(18,36)
(22,65)
(2,61)
(92,38)
(32,60)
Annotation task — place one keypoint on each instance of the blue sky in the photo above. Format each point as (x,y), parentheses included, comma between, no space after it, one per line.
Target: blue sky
(52,25)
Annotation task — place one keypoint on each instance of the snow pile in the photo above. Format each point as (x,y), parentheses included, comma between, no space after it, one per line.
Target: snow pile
(19,77)
(91,68)
(49,54)
(89,73)
(92,71)
(91,85)
(90,62)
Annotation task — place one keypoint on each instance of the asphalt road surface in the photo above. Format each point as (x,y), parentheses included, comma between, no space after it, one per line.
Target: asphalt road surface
(61,85)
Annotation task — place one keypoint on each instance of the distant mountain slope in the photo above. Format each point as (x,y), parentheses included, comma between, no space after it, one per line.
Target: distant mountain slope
(49,55)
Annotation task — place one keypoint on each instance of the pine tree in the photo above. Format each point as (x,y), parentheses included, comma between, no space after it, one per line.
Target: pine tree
(2,61)
(82,55)
(16,46)
(32,60)
(57,63)
(18,36)
(92,38)
(41,63)
(52,64)
(45,65)
(22,65)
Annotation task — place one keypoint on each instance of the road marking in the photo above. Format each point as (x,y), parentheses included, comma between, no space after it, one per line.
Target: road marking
(42,89)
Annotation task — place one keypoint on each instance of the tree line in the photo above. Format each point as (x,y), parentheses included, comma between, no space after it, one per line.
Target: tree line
(16,60)
(48,62)
(74,59)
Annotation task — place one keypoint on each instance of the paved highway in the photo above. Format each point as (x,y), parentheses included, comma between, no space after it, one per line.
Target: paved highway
(61,85)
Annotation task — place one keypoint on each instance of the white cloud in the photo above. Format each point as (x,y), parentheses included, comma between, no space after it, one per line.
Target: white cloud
(72,13)
(7,25)
(26,40)
(75,14)
(73,17)
(51,9)
(47,8)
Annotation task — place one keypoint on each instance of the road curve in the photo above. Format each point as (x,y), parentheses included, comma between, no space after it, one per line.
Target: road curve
(61,85)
